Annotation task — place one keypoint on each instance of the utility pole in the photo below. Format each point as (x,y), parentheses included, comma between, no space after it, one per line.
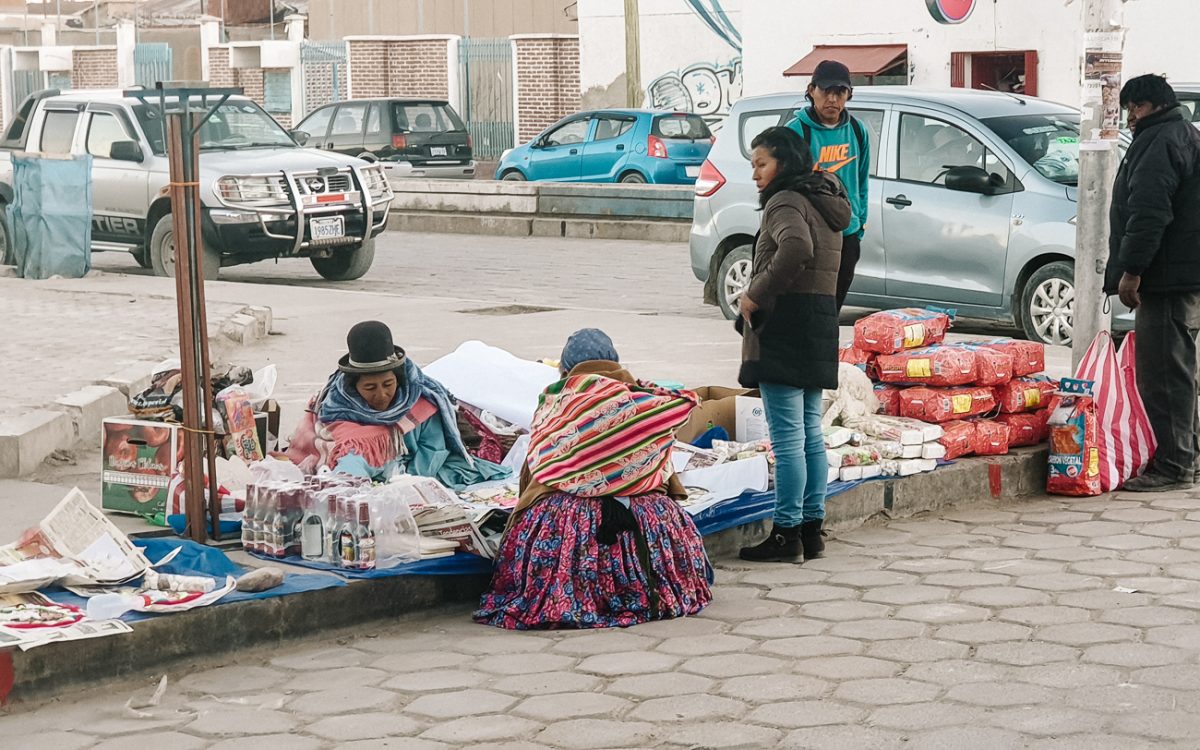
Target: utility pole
(633,54)
(1104,41)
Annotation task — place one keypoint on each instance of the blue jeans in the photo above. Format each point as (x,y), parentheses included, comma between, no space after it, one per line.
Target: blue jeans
(801,466)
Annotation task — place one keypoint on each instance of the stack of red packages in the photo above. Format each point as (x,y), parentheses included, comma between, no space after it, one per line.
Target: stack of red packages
(931,365)
(945,404)
(1025,394)
(1027,428)
(992,366)
(889,399)
(958,437)
(1029,357)
(892,331)
(853,355)
(991,438)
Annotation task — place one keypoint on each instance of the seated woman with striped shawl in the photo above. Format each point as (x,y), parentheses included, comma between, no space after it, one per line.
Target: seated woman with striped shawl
(379,415)
(598,539)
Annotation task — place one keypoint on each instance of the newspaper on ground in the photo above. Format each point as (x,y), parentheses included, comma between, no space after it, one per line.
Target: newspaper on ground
(31,619)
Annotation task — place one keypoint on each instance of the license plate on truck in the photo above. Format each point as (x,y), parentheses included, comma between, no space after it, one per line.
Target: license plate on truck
(437,150)
(692,171)
(328,228)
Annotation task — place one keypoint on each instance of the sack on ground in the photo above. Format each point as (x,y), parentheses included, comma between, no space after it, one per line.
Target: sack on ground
(1029,357)
(1025,394)
(944,404)
(958,438)
(1027,428)
(1074,442)
(991,438)
(891,331)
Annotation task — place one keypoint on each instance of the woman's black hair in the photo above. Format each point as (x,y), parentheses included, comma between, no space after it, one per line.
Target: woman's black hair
(796,165)
(352,378)
(1149,89)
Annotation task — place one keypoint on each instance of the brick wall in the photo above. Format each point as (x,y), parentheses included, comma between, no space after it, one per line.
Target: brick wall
(94,68)
(250,79)
(220,74)
(547,77)
(318,85)
(400,67)
(368,68)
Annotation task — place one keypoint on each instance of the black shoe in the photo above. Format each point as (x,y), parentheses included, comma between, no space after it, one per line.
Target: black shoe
(1155,482)
(783,545)
(810,539)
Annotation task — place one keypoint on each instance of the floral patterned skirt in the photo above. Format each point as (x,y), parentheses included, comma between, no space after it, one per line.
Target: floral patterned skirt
(553,572)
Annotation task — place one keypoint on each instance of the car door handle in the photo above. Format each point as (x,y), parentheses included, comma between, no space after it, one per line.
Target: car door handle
(899,201)
(620,146)
(574,151)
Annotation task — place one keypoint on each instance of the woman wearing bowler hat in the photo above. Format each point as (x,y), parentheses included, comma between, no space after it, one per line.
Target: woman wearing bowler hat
(380,414)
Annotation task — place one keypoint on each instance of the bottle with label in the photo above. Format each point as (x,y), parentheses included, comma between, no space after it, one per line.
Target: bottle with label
(333,553)
(276,525)
(312,527)
(248,517)
(295,519)
(365,536)
(346,541)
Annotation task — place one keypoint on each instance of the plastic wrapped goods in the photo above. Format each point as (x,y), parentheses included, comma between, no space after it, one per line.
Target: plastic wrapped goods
(931,365)
(860,358)
(899,429)
(857,456)
(889,399)
(958,439)
(945,404)
(992,366)
(1025,394)
(891,331)
(1029,357)
(991,438)
(1074,443)
(1026,428)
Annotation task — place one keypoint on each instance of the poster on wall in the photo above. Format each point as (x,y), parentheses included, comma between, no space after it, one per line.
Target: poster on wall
(1102,81)
(950,11)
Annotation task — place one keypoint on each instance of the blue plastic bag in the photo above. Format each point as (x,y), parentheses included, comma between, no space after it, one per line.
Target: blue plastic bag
(50,219)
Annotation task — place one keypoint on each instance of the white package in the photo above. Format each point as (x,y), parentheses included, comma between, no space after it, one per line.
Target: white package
(933,451)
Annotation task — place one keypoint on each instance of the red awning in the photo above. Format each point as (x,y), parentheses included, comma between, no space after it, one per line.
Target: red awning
(862,60)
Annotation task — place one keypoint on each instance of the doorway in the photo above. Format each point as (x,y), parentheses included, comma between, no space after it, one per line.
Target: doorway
(1009,72)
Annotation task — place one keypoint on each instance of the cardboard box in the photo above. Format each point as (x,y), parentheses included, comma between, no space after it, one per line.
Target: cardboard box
(750,420)
(719,408)
(137,460)
(267,424)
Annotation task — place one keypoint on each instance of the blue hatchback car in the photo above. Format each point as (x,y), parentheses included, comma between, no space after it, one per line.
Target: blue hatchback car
(614,145)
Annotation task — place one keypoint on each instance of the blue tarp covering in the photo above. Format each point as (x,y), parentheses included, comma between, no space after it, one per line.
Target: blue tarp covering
(50,220)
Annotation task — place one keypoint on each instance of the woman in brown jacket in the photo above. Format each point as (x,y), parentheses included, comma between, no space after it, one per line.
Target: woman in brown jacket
(789,326)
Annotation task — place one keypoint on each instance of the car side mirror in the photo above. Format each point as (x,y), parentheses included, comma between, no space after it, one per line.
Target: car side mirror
(973,180)
(126,151)
(300,137)
(538,143)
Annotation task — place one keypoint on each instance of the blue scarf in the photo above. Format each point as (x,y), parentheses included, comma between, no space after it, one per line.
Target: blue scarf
(340,402)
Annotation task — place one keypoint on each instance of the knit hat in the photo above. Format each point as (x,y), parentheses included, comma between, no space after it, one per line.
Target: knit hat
(587,345)
(371,350)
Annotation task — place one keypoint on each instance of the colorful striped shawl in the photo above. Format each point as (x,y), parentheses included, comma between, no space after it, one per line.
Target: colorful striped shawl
(594,436)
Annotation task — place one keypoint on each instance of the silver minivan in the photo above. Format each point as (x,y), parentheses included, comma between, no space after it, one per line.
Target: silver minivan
(972,205)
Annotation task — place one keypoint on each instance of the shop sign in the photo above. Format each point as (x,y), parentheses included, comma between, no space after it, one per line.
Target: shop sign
(950,11)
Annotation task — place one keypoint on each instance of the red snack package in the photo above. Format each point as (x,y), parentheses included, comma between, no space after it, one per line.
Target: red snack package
(1074,467)
(991,438)
(944,404)
(932,365)
(890,331)
(1029,357)
(889,399)
(1025,394)
(958,437)
(852,355)
(1026,428)
(992,366)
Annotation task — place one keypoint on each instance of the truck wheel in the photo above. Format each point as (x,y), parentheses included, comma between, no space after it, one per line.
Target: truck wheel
(1048,304)
(733,278)
(513,175)
(142,256)
(162,251)
(347,265)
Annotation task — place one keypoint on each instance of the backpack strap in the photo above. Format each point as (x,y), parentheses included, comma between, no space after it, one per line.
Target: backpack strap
(807,133)
(859,135)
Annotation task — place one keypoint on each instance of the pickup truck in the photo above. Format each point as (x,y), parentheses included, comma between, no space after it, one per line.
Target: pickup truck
(263,195)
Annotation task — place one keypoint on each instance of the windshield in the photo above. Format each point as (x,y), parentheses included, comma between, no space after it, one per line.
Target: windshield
(681,127)
(425,117)
(1049,143)
(235,125)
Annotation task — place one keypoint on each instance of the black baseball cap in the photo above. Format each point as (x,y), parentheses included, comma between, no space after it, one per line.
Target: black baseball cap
(831,74)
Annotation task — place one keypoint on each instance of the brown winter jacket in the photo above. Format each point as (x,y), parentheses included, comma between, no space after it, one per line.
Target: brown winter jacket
(793,337)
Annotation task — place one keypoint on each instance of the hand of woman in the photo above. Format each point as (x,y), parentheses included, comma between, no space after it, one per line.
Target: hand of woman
(747,307)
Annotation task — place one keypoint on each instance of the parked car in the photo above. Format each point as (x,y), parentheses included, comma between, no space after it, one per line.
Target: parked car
(263,196)
(409,137)
(973,200)
(1189,96)
(614,145)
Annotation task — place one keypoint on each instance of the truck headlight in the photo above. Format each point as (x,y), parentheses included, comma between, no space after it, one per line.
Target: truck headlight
(256,190)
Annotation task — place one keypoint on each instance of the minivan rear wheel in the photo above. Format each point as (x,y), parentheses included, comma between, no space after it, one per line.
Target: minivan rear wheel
(733,278)
(1048,304)
(633,178)
(513,175)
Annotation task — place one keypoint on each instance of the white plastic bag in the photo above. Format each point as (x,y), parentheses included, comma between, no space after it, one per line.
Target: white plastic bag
(272,469)
(397,538)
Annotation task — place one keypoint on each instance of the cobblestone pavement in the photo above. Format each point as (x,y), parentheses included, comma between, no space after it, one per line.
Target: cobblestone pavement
(1053,625)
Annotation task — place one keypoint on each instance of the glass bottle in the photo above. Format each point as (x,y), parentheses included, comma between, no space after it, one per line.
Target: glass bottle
(346,541)
(365,536)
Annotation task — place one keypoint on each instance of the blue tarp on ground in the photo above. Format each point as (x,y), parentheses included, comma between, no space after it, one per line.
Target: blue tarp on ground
(50,219)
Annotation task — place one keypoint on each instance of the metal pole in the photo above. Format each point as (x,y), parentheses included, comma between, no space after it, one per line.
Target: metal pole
(420,16)
(96,19)
(1100,66)
(223,21)
(633,54)
(57,19)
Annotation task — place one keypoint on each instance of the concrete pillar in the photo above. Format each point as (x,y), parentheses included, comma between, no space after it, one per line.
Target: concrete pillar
(210,36)
(294,27)
(126,42)
(453,73)
(49,34)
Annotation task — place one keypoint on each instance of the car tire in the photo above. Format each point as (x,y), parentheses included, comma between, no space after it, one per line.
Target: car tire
(733,277)
(1048,303)
(162,251)
(368,156)
(512,175)
(632,178)
(346,265)
(142,256)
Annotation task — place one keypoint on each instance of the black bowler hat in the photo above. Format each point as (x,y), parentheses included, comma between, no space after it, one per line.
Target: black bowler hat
(831,74)
(371,350)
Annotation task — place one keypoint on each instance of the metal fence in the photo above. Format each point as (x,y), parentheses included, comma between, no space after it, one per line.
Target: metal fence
(325,66)
(487,97)
(152,62)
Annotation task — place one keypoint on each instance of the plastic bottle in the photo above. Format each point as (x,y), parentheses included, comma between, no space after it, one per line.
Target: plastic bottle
(365,537)
(312,527)
(346,541)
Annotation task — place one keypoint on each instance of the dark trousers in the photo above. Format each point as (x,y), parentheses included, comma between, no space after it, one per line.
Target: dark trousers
(1166,326)
(851,250)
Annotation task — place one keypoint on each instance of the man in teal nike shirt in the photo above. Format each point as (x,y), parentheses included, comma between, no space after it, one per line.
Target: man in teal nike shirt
(840,145)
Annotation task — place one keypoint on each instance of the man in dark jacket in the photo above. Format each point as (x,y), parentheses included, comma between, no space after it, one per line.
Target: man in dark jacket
(1154,265)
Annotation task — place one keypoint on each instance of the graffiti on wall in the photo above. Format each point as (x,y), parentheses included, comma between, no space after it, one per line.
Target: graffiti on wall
(708,89)
(712,15)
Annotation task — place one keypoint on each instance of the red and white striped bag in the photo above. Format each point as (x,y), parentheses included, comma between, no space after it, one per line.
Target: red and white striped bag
(1126,442)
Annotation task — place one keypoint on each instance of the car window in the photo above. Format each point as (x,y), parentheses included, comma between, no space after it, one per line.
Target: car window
(58,129)
(375,119)
(930,148)
(872,120)
(104,130)
(754,123)
(1047,142)
(573,132)
(317,124)
(349,119)
(681,127)
(425,117)
(608,128)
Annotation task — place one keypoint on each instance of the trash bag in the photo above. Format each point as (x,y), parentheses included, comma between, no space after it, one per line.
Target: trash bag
(50,219)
